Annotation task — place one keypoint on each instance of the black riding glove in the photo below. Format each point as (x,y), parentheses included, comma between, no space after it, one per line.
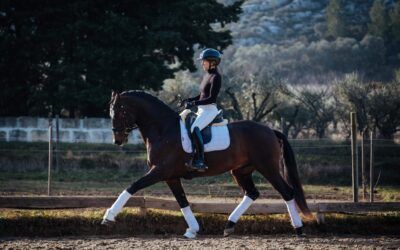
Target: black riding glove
(189,105)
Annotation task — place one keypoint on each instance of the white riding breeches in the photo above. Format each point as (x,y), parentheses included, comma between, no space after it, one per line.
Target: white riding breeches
(205,115)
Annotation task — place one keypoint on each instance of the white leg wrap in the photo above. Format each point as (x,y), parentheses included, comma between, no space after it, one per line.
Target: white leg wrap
(116,208)
(294,215)
(191,221)
(240,209)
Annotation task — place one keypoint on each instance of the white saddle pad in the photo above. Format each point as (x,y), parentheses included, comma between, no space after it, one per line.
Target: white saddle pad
(220,139)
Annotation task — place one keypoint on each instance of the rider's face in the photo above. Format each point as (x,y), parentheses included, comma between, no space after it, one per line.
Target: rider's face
(206,65)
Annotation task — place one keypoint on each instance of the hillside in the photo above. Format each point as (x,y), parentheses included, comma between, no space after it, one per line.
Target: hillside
(278,21)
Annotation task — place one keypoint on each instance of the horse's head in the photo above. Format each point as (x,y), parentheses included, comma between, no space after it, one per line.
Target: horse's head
(123,120)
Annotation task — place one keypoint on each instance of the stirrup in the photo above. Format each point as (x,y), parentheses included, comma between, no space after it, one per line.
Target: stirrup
(192,165)
(199,166)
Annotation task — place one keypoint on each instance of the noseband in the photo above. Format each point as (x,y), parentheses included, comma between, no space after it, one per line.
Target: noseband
(126,128)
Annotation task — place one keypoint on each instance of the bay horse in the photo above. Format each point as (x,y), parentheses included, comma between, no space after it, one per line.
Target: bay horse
(253,147)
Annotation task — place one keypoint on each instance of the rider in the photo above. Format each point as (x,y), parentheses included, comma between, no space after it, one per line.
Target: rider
(205,102)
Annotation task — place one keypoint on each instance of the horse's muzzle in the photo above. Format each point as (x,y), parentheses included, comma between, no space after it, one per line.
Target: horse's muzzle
(121,142)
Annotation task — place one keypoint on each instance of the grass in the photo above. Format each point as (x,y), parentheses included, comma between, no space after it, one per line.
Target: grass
(389,193)
(192,188)
(130,222)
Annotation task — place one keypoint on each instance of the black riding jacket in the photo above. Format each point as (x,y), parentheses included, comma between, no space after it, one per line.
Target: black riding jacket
(209,88)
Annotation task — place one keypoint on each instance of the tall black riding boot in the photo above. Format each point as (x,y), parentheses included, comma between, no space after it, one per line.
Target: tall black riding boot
(198,162)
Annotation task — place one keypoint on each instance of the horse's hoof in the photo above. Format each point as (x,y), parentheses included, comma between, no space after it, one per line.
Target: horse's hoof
(300,233)
(229,228)
(228,231)
(190,234)
(107,223)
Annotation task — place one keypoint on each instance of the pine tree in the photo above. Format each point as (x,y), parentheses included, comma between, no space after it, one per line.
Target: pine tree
(335,19)
(69,54)
(379,20)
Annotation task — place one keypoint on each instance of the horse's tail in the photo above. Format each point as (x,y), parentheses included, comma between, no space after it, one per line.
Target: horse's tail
(292,175)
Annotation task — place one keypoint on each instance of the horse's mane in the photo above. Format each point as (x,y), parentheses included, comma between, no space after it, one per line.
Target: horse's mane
(146,96)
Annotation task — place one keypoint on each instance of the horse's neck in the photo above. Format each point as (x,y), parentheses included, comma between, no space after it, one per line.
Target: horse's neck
(154,132)
(154,120)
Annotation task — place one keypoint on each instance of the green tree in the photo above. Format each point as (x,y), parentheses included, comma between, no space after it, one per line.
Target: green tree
(394,15)
(377,104)
(70,54)
(336,25)
(379,20)
(394,43)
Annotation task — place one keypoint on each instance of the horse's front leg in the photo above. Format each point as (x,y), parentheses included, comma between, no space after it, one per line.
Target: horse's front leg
(152,177)
(193,227)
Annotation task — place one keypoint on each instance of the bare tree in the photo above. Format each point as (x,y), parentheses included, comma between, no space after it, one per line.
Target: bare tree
(184,84)
(318,101)
(351,94)
(253,98)
(294,115)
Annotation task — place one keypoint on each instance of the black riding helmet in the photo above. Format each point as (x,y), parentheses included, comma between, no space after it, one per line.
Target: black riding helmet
(210,54)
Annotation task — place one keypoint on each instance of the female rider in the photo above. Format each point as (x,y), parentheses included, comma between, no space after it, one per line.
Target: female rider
(205,102)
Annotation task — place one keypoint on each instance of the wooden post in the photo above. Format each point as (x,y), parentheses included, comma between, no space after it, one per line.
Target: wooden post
(142,211)
(50,159)
(363,172)
(320,218)
(57,141)
(354,156)
(371,169)
(282,164)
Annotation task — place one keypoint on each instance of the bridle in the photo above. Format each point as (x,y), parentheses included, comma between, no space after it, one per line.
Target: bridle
(126,128)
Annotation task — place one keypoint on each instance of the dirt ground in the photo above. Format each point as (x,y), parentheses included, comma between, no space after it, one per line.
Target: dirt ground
(206,242)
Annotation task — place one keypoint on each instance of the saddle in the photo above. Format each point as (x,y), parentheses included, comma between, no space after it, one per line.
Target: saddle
(188,117)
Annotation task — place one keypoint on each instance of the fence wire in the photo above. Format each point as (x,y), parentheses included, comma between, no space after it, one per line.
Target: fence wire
(105,169)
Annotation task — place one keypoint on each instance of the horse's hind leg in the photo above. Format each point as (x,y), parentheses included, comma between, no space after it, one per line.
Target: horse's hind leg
(176,187)
(244,179)
(274,177)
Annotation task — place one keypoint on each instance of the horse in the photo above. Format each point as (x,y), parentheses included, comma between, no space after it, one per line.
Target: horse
(253,147)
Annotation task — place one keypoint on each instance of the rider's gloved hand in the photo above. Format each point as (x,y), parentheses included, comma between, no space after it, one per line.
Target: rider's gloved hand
(181,102)
(189,105)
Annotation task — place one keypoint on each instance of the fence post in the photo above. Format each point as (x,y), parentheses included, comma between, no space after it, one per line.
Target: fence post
(354,156)
(363,172)
(57,141)
(283,126)
(371,169)
(50,158)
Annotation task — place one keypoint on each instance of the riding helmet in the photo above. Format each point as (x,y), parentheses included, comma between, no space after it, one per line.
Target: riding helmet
(210,54)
